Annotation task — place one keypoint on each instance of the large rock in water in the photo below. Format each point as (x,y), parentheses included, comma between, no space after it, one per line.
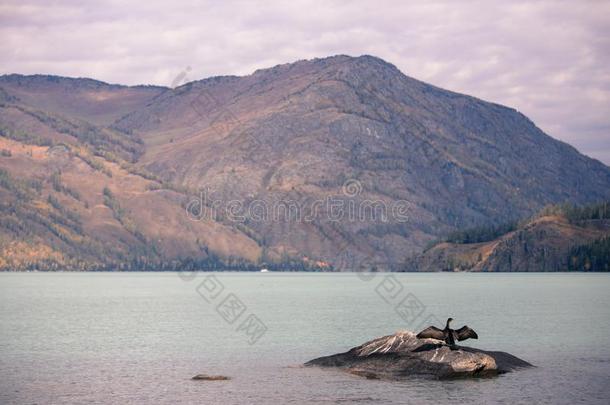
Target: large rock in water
(403,355)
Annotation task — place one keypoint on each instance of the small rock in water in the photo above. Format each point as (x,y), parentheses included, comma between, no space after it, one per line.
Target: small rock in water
(206,377)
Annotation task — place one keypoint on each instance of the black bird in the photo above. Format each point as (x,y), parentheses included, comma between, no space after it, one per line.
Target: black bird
(448,335)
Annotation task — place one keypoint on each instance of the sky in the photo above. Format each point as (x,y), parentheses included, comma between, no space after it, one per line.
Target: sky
(548,59)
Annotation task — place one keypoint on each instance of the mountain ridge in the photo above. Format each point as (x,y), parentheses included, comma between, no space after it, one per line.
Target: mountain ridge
(299,132)
(556,239)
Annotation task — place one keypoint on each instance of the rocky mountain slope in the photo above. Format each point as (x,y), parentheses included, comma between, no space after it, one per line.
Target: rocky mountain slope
(72,197)
(549,242)
(295,135)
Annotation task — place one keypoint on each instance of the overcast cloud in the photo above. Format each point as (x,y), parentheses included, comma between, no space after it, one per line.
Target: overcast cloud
(548,59)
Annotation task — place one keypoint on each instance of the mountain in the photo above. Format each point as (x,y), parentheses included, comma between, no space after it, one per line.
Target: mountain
(348,129)
(72,197)
(555,240)
(90,100)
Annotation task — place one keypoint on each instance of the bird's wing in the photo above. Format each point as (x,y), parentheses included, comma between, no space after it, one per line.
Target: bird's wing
(431,332)
(466,333)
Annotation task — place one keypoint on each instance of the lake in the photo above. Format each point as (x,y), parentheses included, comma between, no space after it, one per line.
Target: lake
(140,337)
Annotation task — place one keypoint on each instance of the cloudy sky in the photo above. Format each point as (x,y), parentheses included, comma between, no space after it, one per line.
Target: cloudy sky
(548,59)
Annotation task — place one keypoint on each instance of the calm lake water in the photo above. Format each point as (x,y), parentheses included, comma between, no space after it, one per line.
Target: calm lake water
(140,337)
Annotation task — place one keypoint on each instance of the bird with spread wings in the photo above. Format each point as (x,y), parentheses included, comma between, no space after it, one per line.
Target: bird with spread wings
(448,335)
